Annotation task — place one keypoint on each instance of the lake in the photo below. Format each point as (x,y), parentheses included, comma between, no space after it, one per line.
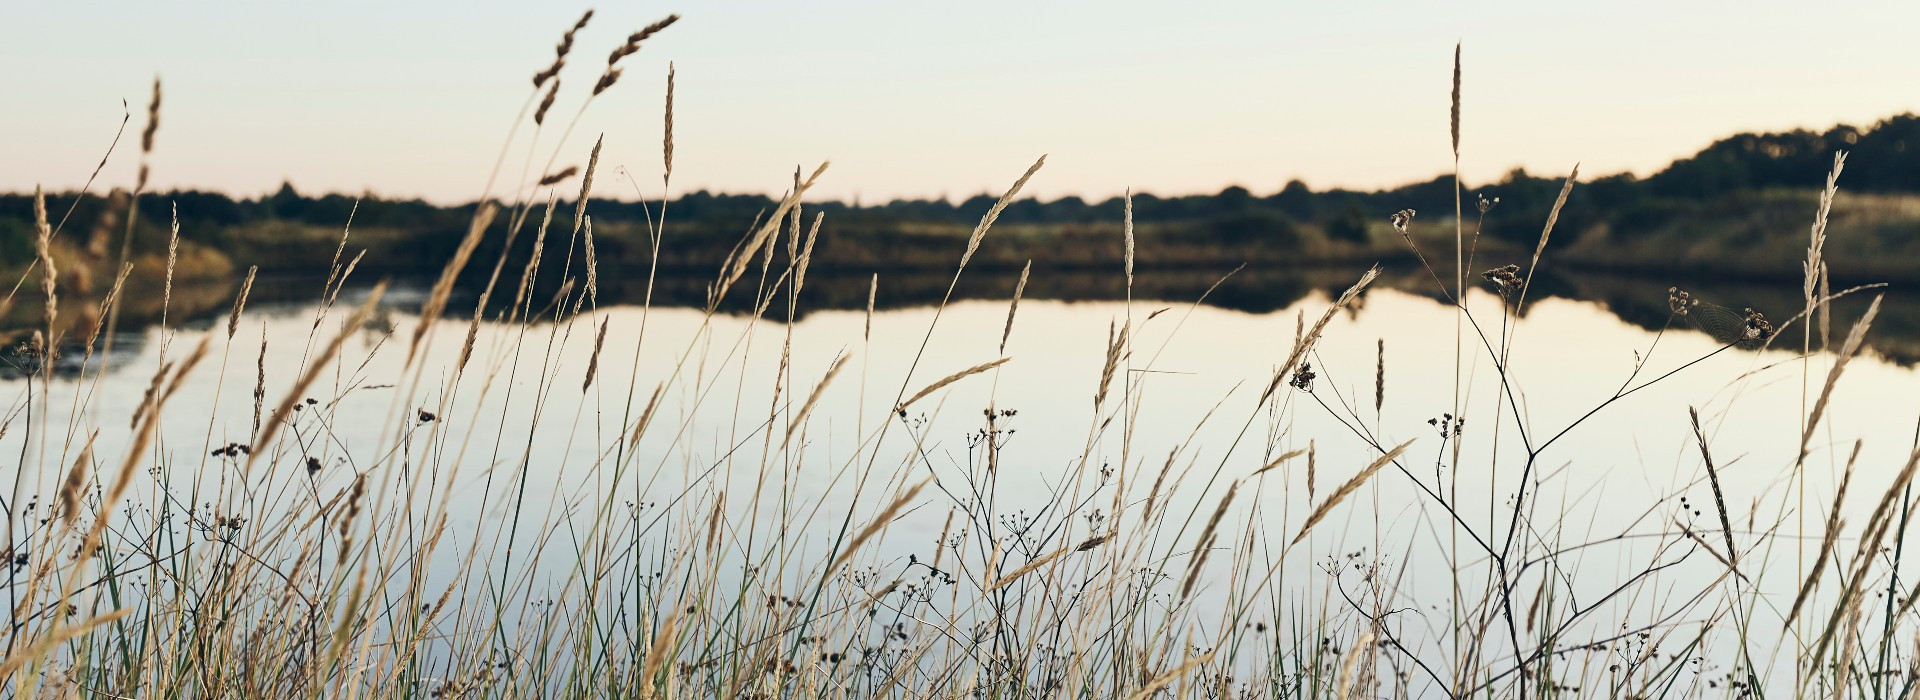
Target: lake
(1615,496)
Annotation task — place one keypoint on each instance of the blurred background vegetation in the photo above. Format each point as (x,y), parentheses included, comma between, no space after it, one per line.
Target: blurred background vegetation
(1738,209)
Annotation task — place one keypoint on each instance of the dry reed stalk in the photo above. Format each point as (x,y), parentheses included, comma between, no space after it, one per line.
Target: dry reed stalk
(1380,377)
(658,653)
(593,267)
(819,389)
(1361,646)
(559,177)
(806,254)
(265,434)
(259,381)
(1162,680)
(1848,349)
(586,186)
(133,201)
(1546,232)
(1027,568)
(1019,288)
(152,394)
(1719,498)
(633,40)
(1817,235)
(55,638)
(949,379)
(873,290)
(173,257)
(1706,546)
(349,619)
(1277,461)
(1127,230)
(879,523)
(1153,494)
(1204,546)
(1875,533)
(713,520)
(146,142)
(1454,113)
(43,251)
(1115,344)
(612,74)
(666,138)
(742,257)
(1832,532)
(533,262)
(1843,665)
(443,287)
(593,362)
(1320,512)
(1310,468)
(186,366)
(1826,310)
(560,52)
(102,235)
(993,213)
(76,482)
(1540,594)
(340,284)
(793,227)
(646,415)
(546,103)
(333,267)
(1305,339)
(351,512)
(1883,512)
(240,301)
(940,544)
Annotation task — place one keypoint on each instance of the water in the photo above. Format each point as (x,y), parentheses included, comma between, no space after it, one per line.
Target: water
(1607,491)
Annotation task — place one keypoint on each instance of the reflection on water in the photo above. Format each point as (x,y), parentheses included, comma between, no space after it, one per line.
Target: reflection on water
(1641,301)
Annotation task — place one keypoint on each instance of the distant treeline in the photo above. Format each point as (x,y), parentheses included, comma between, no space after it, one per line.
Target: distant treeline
(1733,207)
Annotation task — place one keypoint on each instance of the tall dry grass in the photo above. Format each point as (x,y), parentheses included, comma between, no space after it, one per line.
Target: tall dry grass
(244,571)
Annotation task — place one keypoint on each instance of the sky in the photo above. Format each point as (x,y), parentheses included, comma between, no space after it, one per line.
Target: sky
(927,100)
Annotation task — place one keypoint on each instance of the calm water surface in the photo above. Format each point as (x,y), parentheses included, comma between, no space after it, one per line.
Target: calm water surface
(1198,373)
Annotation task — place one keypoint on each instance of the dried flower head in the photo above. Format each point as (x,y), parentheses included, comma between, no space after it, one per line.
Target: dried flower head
(1680,302)
(1401,219)
(1507,279)
(1448,425)
(1486,205)
(1303,377)
(1758,328)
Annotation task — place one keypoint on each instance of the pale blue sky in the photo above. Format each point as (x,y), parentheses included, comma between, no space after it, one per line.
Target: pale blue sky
(931,99)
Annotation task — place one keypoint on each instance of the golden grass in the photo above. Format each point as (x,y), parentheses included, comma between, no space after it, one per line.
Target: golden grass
(303,564)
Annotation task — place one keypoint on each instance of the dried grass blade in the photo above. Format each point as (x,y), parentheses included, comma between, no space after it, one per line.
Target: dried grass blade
(800,417)
(1320,512)
(949,379)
